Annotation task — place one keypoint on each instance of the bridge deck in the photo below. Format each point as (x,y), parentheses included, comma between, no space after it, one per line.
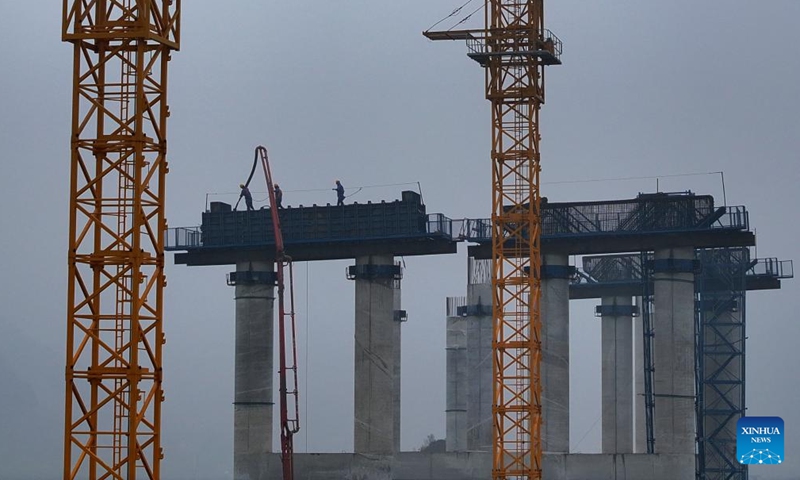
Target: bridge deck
(403,227)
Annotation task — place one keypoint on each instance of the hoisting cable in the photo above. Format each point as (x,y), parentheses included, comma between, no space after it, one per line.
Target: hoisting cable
(644,177)
(306,190)
(587,433)
(468,16)
(453,13)
(359,189)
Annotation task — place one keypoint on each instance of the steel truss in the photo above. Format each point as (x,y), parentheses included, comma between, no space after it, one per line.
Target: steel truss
(515,88)
(116,239)
(720,360)
(720,288)
(647,349)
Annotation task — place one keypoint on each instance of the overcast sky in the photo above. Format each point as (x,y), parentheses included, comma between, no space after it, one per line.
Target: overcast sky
(351,90)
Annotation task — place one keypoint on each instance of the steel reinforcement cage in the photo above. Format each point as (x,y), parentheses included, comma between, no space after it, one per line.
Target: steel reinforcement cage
(656,212)
(646,213)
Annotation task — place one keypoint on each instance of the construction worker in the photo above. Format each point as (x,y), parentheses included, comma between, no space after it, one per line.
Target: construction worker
(278,196)
(339,193)
(248,199)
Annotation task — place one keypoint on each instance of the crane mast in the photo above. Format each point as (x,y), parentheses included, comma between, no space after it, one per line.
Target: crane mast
(513,48)
(121,50)
(515,88)
(287,372)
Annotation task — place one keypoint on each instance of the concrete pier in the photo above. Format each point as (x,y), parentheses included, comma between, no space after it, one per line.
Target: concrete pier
(253,396)
(480,333)
(457,384)
(617,374)
(374,369)
(375,234)
(674,352)
(555,345)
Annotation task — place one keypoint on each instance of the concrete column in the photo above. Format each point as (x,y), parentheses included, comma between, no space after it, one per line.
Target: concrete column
(398,318)
(479,366)
(374,402)
(640,427)
(674,389)
(457,384)
(555,346)
(253,398)
(617,374)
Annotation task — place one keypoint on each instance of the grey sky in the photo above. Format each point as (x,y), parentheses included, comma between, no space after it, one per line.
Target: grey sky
(351,90)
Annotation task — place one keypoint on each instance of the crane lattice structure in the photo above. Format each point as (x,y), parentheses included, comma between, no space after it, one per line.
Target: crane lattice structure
(116,239)
(514,47)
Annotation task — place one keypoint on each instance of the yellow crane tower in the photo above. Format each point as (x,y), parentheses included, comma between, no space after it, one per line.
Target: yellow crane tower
(117,224)
(116,235)
(514,47)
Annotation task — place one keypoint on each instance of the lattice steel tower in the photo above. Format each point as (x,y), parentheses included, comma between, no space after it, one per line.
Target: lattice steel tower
(116,240)
(514,47)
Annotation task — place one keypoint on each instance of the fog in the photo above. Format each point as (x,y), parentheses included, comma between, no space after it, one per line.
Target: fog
(651,94)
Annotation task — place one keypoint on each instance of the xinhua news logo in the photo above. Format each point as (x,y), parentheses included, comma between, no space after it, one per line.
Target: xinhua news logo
(759,440)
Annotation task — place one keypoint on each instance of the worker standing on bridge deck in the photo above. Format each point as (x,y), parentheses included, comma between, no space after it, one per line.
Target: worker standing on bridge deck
(278,196)
(248,199)
(339,193)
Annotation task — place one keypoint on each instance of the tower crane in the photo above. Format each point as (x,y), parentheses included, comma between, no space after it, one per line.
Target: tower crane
(287,372)
(116,243)
(514,47)
(117,224)
(113,395)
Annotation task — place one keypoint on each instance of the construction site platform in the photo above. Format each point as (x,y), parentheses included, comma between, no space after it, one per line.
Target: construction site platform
(646,223)
(330,232)
(404,228)
(623,275)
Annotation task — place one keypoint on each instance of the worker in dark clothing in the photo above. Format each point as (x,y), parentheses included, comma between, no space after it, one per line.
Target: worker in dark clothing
(278,196)
(248,199)
(339,193)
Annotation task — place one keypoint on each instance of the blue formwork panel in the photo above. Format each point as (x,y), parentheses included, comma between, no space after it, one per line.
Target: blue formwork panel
(330,223)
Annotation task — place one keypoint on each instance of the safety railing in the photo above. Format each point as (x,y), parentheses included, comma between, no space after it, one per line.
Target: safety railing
(608,269)
(242,232)
(183,238)
(395,220)
(736,218)
(643,215)
(772,267)
(440,225)
(478,229)
(546,41)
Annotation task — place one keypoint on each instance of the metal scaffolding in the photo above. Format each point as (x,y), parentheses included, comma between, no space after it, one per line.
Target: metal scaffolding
(721,282)
(720,360)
